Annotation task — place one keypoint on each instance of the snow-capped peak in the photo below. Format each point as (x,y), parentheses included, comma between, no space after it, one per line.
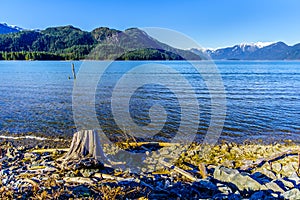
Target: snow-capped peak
(256,44)
(12,26)
(244,46)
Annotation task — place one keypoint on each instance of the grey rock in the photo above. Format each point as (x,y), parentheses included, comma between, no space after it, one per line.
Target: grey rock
(224,174)
(295,178)
(228,163)
(205,184)
(274,187)
(241,180)
(261,178)
(286,182)
(267,173)
(276,167)
(263,195)
(88,172)
(273,195)
(224,189)
(257,195)
(288,169)
(292,194)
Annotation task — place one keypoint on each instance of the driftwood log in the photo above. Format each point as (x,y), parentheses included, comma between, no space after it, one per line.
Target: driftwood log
(48,150)
(179,170)
(270,159)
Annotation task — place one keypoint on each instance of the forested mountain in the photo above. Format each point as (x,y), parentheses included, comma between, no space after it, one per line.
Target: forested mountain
(68,42)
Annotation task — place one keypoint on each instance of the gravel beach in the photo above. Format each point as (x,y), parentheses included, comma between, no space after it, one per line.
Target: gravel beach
(224,171)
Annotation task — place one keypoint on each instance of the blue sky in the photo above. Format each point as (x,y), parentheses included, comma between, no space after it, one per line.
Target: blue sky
(212,23)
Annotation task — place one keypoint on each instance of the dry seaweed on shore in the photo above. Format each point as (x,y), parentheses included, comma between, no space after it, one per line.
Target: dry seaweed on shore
(28,173)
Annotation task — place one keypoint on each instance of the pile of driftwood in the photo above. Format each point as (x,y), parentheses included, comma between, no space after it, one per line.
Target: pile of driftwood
(86,145)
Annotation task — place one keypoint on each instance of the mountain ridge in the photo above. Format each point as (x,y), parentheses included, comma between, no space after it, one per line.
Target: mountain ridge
(69,42)
(5,28)
(255,51)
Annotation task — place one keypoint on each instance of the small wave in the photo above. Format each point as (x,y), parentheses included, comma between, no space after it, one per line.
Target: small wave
(29,137)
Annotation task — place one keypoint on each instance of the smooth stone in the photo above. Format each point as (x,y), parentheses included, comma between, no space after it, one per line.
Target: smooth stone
(273,195)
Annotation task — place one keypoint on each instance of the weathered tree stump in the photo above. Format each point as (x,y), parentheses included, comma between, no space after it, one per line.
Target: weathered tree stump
(85,151)
(85,144)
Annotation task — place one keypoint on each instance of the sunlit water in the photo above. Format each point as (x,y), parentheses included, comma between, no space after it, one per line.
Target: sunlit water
(263,99)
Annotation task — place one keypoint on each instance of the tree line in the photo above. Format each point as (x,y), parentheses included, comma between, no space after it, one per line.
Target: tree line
(35,56)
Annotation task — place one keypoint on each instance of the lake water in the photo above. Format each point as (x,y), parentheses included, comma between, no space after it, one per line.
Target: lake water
(262,98)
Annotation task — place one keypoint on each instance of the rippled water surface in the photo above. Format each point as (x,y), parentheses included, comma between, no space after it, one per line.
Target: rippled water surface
(262,98)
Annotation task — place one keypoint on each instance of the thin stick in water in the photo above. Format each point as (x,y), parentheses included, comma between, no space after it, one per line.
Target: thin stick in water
(73,71)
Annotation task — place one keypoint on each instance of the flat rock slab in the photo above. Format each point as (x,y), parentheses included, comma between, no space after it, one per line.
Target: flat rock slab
(241,180)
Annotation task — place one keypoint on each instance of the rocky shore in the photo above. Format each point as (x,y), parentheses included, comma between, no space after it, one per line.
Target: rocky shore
(228,171)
